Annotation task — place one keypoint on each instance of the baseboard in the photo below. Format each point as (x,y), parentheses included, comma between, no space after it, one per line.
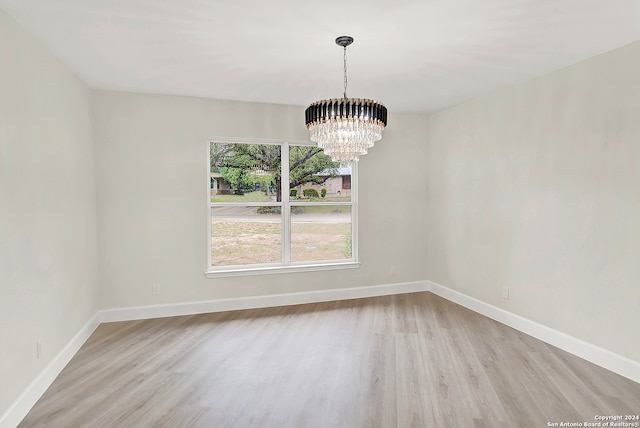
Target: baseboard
(604,358)
(19,409)
(253,302)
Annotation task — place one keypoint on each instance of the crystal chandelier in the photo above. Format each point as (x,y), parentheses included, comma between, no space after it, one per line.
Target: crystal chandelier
(345,128)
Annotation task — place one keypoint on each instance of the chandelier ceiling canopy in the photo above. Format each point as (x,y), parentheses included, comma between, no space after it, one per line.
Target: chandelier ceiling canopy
(345,128)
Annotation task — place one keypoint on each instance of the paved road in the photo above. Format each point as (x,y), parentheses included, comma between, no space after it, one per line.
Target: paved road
(250,214)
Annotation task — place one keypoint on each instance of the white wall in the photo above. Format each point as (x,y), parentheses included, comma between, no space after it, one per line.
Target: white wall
(48,233)
(152,175)
(537,188)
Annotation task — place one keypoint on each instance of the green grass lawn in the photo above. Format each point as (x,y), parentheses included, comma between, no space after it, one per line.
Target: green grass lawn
(257,196)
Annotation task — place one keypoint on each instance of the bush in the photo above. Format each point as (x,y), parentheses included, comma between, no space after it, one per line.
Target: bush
(293,193)
(310,193)
(268,210)
(348,244)
(323,192)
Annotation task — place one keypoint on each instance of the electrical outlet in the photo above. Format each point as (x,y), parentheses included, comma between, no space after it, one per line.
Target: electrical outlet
(505,293)
(155,289)
(38,349)
(392,270)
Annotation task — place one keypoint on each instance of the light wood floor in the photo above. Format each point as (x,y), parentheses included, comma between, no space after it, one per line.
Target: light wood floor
(413,360)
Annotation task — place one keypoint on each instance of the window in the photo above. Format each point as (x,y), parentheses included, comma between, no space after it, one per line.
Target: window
(272,216)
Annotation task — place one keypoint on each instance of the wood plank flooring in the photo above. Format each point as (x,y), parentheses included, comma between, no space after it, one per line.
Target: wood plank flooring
(412,360)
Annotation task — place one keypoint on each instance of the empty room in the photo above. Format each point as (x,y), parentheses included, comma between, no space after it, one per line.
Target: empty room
(302,214)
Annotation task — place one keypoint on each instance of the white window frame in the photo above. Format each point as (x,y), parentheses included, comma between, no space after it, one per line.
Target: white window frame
(287,265)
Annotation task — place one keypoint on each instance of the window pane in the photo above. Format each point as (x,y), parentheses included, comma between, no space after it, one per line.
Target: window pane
(243,235)
(320,232)
(244,172)
(314,177)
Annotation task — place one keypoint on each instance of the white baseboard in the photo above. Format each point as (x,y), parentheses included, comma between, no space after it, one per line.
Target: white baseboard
(604,358)
(34,391)
(253,302)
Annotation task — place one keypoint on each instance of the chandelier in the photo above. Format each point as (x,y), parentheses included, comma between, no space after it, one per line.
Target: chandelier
(345,128)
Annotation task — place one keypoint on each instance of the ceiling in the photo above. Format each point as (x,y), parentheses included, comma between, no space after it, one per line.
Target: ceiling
(415,56)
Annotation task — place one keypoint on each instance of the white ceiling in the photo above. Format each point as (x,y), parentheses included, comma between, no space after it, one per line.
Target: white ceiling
(413,55)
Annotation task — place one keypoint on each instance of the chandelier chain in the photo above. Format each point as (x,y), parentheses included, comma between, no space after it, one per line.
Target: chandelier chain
(345,72)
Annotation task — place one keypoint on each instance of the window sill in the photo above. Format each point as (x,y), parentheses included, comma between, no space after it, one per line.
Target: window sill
(279,269)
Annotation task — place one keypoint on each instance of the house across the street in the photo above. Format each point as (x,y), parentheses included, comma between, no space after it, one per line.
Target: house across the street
(337,185)
(219,185)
